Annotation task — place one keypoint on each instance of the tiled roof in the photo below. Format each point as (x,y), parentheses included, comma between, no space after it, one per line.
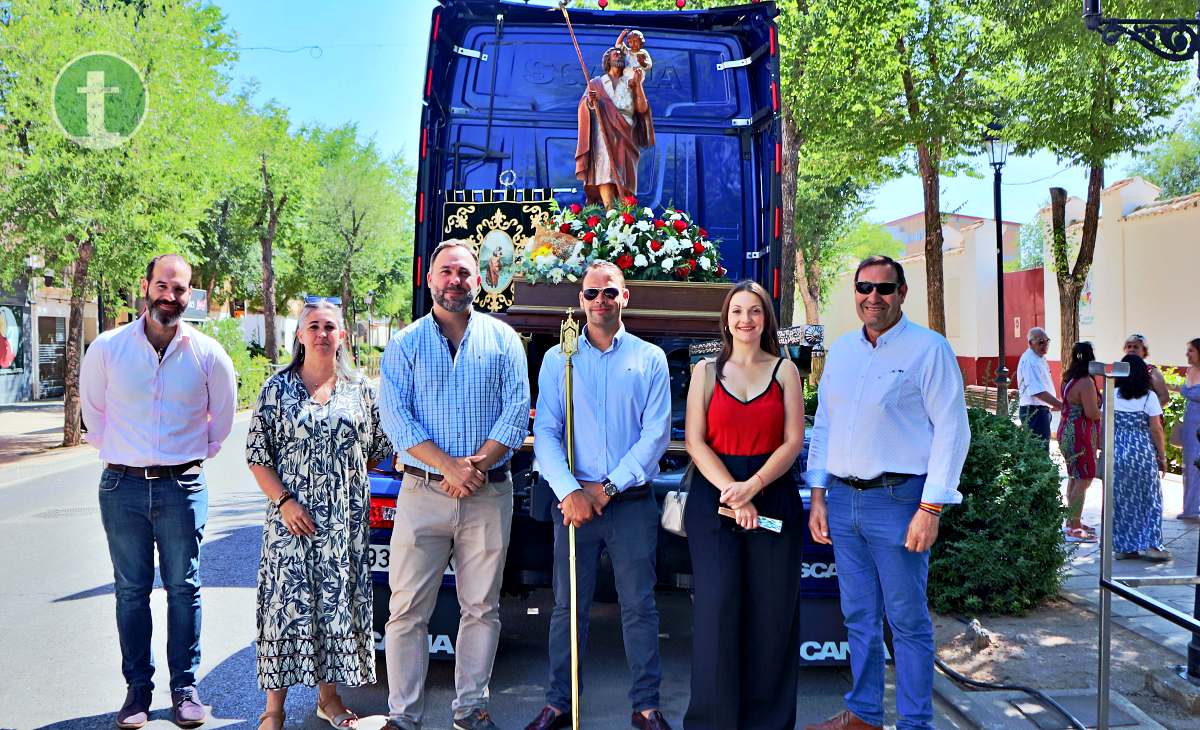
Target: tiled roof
(1171,205)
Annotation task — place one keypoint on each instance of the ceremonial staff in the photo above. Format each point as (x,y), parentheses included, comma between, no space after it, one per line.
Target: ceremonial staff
(569,342)
(587,83)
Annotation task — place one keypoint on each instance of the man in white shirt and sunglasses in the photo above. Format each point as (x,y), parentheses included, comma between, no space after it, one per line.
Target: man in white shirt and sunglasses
(888,446)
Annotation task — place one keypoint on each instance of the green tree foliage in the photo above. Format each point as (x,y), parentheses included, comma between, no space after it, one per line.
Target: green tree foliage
(914,80)
(1085,102)
(252,370)
(1031,245)
(1173,163)
(101,214)
(1001,551)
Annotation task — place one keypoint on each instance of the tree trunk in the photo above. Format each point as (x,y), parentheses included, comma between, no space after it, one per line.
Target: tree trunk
(348,311)
(268,274)
(928,163)
(791,255)
(72,433)
(1071,279)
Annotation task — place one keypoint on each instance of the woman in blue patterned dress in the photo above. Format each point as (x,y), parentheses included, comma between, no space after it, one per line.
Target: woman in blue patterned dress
(1189,432)
(1139,458)
(314,431)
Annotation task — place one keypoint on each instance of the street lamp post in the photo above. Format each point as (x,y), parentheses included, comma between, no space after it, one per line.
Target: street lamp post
(1175,39)
(997,156)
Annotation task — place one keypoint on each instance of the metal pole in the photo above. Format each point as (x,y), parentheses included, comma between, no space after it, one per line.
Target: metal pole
(1118,369)
(569,342)
(1192,671)
(1002,369)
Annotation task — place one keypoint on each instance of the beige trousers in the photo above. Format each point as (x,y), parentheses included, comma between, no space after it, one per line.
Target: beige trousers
(431,528)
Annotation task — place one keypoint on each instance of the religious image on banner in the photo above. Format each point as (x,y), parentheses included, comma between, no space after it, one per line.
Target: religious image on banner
(1086,303)
(498,227)
(10,338)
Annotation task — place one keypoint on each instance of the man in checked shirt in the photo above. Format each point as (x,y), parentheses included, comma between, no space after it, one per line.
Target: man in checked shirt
(454,400)
(888,446)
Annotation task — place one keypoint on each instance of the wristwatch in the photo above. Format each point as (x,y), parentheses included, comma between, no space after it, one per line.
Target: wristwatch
(610,489)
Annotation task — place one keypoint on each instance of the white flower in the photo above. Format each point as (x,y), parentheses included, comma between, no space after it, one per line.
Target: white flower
(612,212)
(640,260)
(556,276)
(576,225)
(705,263)
(648,211)
(572,278)
(668,263)
(642,225)
(675,216)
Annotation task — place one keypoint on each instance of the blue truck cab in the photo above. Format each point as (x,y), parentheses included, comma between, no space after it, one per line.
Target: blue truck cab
(502,87)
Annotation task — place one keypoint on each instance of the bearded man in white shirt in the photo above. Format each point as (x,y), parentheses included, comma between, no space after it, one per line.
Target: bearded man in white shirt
(1035,386)
(158,398)
(888,446)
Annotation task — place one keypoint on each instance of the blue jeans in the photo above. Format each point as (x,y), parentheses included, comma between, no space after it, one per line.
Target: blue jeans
(878,576)
(1037,419)
(628,529)
(138,515)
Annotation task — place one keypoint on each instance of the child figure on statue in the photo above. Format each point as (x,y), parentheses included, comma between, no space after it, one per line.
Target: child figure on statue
(633,44)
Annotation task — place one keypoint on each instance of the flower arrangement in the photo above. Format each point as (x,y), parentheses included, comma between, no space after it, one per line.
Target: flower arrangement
(669,247)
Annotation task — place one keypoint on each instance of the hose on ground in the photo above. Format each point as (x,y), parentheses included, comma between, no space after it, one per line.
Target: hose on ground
(963,679)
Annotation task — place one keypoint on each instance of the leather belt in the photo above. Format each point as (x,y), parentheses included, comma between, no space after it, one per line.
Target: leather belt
(1035,408)
(494,476)
(888,478)
(173,471)
(632,493)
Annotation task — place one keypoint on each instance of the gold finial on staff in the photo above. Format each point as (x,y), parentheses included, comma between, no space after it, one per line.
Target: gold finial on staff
(569,343)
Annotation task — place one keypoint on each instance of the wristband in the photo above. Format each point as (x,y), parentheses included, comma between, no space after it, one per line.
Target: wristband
(283,498)
(933,509)
(762,483)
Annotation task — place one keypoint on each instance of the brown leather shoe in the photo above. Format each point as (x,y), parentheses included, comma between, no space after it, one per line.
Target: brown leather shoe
(656,721)
(548,720)
(844,720)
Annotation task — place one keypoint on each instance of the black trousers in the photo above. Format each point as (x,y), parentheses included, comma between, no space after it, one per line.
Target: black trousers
(746,613)
(1037,418)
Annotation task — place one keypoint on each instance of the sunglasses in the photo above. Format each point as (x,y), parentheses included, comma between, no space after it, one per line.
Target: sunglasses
(883,287)
(610,293)
(313,299)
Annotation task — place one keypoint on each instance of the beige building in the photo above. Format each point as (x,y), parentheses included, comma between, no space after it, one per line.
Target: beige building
(1144,275)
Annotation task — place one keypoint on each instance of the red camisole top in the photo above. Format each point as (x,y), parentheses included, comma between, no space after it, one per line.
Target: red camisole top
(746,428)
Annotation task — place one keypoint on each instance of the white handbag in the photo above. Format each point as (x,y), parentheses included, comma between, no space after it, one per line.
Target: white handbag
(672,512)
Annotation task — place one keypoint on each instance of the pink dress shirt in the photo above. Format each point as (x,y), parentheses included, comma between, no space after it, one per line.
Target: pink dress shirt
(140,412)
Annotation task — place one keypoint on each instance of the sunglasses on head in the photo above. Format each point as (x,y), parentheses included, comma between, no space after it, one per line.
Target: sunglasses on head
(313,299)
(610,293)
(883,287)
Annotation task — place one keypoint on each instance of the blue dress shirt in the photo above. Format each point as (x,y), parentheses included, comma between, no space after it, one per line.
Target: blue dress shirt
(459,401)
(622,399)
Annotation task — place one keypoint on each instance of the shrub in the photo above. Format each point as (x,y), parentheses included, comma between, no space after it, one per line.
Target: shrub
(1172,418)
(252,369)
(1001,551)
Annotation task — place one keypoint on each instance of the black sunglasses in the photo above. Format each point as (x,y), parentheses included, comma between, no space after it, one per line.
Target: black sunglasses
(610,293)
(883,287)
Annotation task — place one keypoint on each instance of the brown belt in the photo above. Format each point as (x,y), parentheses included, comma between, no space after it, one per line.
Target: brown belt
(173,471)
(494,476)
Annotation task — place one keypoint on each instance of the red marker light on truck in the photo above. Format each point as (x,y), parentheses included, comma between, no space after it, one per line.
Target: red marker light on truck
(424,141)
(778,158)
(777,222)
(417,278)
(774,97)
(383,511)
(437,23)
(421,207)
(429,83)
(772,40)
(775,288)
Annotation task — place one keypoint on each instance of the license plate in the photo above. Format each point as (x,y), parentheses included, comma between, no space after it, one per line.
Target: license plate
(381,558)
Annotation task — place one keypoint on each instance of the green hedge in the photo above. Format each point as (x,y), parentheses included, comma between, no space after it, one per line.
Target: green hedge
(1001,551)
(252,370)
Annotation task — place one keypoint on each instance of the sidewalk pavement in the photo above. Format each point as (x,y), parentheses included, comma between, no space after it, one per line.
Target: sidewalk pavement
(29,428)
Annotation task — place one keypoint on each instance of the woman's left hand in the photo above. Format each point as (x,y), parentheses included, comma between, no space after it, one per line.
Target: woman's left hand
(1162,465)
(746,517)
(739,494)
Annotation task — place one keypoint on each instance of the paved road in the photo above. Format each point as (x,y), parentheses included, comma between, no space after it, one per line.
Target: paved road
(60,666)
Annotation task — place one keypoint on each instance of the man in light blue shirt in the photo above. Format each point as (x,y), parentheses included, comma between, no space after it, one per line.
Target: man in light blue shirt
(454,400)
(622,418)
(888,446)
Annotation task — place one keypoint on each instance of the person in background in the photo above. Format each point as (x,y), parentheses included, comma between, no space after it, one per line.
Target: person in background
(1078,437)
(1139,458)
(1189,432)
(1137,344)
(744,437)
(314,432)
(1036,387)
(158,397)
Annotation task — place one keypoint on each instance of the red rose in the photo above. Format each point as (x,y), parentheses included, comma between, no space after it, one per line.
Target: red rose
(703,233)
(720,270)
(589,237)
(593,220)
(576,208)
(698,247)
(659,223)
(656,246)
(682,272)
(691,264)
(565,228)
(629,200)
(625,262)
(680,225)
(628,219)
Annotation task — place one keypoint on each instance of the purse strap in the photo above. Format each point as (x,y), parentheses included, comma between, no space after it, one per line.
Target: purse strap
(710,381)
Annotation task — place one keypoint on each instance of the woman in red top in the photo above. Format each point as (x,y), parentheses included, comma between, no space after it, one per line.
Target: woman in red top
(744,442)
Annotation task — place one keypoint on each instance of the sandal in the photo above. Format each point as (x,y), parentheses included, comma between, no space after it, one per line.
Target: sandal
(274,717)
(343,721)
(1078,534)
